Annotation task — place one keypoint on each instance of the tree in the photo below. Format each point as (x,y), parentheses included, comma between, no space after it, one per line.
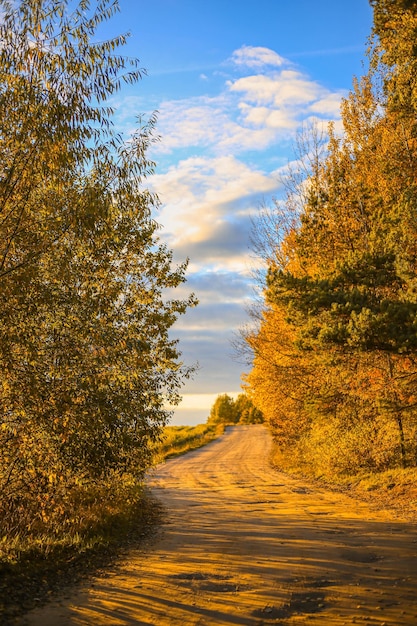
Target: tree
(340,289)
(280,380)
(223,411)
(247,412)
(54,83)
(227,411)
(87,360)
(394,55)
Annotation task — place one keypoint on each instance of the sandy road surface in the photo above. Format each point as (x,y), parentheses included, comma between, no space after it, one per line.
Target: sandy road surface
(245,545)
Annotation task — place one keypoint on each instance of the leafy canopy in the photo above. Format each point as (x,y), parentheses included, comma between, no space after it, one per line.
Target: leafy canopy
(87,292)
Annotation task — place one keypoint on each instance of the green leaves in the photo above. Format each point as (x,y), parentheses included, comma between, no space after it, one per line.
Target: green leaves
(227,411)
(363,305)
(88,364)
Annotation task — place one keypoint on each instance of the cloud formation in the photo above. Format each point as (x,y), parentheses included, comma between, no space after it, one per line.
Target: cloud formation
(256,109)
(207,208)
(219,159)
(256,57)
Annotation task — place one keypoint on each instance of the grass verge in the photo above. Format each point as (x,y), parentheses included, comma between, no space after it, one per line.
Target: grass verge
(178,440)
(33,568)
(32,571)
(393,489)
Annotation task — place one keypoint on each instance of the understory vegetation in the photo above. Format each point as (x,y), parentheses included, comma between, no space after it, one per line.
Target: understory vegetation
(334,348)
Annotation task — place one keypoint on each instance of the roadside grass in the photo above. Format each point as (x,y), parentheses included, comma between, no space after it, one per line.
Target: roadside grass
(388,480)
(393,489)
(34,568)
(104,524)
(177,440)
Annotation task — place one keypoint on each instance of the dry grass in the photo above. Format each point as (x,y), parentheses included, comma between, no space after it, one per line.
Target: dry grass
(181,439)
(31,570)
(104,522)
(394,489)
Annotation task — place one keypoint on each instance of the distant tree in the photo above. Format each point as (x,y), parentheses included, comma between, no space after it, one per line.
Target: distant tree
(227,411)
(223,411)
(247,411)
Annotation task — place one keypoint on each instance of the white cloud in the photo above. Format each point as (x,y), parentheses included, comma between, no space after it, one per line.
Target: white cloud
(198,400)
(260,88)
(328,105)
(287,95)
(251,56)
(202,401)
(210,189)
(221,155)
(250,113)
(267,118)
(207,204)
(193,122)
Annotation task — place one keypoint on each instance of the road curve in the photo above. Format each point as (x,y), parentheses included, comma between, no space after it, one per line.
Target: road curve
(245,545)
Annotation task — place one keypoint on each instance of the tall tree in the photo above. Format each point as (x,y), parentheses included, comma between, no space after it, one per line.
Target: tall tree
(394,54)
(88,365)
(223,411)
(343,279)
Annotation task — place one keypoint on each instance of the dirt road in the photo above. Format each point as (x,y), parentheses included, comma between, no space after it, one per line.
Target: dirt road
(245,545)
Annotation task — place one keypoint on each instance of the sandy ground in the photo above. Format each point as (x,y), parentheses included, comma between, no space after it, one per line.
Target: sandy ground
(245,545)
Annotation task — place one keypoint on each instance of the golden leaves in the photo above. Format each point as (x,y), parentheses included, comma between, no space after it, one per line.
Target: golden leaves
(335,351)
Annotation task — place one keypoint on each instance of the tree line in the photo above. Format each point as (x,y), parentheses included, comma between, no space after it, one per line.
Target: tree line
(228,412)
(87,288)
(334,346)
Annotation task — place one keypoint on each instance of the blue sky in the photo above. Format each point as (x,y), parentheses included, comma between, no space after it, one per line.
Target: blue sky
(233,81)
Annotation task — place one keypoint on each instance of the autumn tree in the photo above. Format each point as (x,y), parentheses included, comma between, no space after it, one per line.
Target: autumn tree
(278,382)
(246,411)
(342,280)
(394,55)
(88,364)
